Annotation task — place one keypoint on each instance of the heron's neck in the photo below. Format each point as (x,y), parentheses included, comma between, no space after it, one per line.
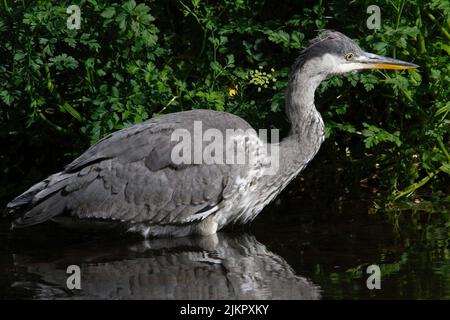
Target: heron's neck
(300,106)
(306,135)
(307,130)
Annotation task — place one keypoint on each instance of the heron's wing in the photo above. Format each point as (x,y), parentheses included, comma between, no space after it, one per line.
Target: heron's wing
(130,144)
(152,138)
(130,176)
(131,192)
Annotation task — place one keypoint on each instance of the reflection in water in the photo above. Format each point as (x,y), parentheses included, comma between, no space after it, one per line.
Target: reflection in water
(220,266)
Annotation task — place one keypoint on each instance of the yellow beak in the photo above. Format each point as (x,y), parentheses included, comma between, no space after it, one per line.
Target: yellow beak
(373,61)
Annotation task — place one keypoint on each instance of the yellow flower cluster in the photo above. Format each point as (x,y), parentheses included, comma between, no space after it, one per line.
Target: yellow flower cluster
(262,79)
(233,90)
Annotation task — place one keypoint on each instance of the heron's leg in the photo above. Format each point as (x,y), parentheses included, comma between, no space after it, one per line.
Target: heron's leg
(207,227)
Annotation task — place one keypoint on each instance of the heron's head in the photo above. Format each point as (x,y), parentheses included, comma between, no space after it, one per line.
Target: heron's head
(334,53)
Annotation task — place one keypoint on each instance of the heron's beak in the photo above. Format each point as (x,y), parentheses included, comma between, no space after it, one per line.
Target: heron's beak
(373,61)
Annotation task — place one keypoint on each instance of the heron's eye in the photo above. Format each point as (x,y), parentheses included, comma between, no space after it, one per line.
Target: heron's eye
(349,56)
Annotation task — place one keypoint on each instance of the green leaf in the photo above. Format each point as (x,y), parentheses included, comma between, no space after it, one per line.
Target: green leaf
(375,135)
(74,113)
(129,6)
(279,37)
(108,13)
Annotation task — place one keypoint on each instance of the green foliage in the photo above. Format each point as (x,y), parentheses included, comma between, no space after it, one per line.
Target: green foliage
(131,61)
(374,135)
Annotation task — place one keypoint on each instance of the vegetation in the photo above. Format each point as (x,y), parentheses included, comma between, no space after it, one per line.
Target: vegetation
(62,89)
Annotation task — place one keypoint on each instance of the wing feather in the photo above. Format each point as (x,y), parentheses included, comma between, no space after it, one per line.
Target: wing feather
(129,176)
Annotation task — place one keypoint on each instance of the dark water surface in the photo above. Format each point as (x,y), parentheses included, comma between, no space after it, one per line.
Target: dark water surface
(299,249)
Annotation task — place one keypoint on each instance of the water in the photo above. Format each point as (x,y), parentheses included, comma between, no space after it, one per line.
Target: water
(298,248)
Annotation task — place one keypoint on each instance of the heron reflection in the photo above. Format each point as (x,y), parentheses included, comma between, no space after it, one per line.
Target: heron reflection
(219,266)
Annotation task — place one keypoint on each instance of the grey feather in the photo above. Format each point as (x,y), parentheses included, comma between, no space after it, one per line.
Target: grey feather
(129,176)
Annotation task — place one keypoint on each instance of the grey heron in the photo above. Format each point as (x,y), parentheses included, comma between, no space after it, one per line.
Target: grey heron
(130,177)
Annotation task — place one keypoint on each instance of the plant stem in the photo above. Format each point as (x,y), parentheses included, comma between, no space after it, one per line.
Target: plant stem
(415,185)
(423,181)
(421,38)
(443,148)
(443,30)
